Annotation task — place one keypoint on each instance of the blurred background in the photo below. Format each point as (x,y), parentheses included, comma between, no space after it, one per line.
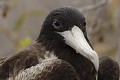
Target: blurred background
(21,20)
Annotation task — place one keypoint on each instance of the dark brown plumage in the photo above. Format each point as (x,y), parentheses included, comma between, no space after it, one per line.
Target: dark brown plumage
(29,57)
(2,59)
(109,69)
(49,69)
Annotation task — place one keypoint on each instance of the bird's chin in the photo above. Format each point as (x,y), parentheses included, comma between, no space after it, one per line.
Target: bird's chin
(75,39)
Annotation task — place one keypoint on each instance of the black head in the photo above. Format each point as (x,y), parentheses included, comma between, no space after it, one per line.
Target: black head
(62,19)
(64,30)
(59,20)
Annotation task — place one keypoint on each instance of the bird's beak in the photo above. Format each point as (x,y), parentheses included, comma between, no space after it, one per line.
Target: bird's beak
(75,39)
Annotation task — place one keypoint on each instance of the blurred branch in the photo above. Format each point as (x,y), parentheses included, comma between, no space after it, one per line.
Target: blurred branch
(94,6)
(4,7)
(95,22)
(97,7)
(5,10)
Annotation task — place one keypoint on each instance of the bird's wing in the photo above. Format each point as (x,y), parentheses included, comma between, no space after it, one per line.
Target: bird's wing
(108,70)
(13,64)
(49,69)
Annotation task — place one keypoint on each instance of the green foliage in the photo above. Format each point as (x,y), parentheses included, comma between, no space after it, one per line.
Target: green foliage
(37,13)
(24,43)
(20,21)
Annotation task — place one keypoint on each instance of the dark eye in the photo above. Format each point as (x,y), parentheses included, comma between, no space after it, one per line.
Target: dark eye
(56,24)
(84,24)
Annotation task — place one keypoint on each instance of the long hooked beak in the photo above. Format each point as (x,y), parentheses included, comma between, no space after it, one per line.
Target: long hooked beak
(75,39)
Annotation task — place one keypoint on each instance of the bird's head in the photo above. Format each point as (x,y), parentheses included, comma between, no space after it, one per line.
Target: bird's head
(67,27)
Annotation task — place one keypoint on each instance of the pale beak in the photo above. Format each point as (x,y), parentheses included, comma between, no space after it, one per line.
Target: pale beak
(75,39)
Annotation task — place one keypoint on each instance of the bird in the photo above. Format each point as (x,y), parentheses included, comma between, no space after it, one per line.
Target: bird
(63,35)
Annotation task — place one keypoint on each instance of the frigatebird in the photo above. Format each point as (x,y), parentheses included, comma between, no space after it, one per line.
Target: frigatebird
(63,35)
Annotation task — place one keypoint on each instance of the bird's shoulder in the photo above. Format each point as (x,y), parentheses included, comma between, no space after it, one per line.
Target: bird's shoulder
(45,70)
(23,59)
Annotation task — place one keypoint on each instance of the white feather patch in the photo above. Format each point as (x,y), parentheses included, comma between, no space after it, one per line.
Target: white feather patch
(32,72)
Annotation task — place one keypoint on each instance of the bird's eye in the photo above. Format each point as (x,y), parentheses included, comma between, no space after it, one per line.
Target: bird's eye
(56,24)
(84,24)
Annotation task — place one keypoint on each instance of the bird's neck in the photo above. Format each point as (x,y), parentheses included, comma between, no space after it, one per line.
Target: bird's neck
(80,63)
(65,52)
